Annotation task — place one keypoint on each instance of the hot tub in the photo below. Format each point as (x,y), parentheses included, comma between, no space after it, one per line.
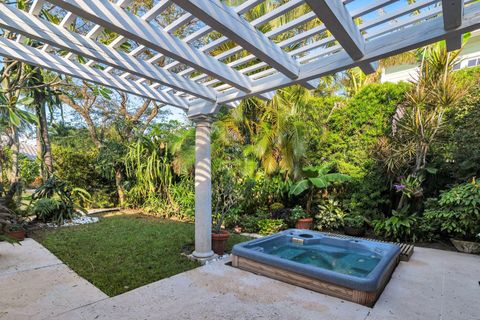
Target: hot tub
(348,268)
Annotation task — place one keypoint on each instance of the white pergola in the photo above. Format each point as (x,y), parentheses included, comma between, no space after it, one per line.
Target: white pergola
(181,71)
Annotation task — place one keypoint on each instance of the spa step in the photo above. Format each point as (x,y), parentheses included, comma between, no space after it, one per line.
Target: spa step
(406,250)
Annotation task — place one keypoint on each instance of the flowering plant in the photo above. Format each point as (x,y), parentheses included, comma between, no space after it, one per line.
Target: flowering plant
(410,186)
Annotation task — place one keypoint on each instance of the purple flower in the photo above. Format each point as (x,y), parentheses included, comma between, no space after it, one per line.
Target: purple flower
(399,187)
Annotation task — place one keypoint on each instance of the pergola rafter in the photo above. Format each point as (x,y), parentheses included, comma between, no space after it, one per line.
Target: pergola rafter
(406,39)
(180,69)
(37,57)
(223,19)
(35,28)
(128,25)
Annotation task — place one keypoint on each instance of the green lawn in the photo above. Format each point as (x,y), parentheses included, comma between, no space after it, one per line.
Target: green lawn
(121,253)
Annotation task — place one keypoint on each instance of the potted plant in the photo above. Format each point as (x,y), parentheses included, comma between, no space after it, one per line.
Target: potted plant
(225,195)
(219,240)
(455,214)
(354,225)
(7,220)
(16,231)
(301,218)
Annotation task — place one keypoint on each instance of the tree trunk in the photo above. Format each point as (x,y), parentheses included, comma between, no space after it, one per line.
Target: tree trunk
(92,130)
(44,148)
(308,207)
(84,113)
(14,176)
(119,185)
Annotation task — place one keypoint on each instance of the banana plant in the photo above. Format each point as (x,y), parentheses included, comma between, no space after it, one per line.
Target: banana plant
(315,178)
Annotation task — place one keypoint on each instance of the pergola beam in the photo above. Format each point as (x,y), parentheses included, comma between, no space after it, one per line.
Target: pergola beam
(452,19)
(114,18)
(226,21)
(17,51)
(33,27)
(339,22)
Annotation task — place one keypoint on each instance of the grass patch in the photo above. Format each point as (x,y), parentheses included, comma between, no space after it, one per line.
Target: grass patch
(122,253)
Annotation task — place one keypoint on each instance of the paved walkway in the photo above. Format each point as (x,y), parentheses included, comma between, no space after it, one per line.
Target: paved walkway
(433,285)
(34,284)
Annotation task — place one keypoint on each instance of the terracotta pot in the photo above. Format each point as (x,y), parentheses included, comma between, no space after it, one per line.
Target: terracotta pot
(17,235)
(354,232)
(305,223)
(466,246)
(219,240)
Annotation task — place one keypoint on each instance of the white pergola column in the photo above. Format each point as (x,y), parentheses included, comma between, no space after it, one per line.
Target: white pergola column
(203,188)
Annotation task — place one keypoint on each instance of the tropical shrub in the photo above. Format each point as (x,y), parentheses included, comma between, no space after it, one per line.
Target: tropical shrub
(399,227)
(233,218)
(276,206)
(278,211)
(58,201)
(50,210)
(316,178)
(369,195)
(458,153)
(329,215)
(270,226)
(78,167)
(354,127)
(183,198)
(456,213)
(250,222)
(29,169)
(354,221)
(262,190)
(225,196)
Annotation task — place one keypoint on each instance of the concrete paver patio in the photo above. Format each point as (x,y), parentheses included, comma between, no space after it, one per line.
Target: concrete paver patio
(34,284)
(433,285)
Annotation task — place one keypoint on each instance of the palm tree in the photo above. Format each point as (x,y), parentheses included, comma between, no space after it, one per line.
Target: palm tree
(44,96)
(279,142)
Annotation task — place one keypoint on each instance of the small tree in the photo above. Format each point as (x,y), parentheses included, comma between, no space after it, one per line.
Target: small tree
(317,177)
(225,196)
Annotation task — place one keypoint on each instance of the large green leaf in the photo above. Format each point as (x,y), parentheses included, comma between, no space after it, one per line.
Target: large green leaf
(311,171)
(319,182)
(299,187)
(14,118)
(26,101)
(336,177)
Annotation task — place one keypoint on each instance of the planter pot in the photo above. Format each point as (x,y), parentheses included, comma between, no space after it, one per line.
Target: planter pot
(466,246)
(17,235)
(306,223)
(219,240)
(354,232)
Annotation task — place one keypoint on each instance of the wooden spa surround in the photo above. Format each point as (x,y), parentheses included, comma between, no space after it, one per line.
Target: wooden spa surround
(362,297)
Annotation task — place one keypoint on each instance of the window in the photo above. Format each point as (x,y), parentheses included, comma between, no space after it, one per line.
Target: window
(472,63)
(456,66)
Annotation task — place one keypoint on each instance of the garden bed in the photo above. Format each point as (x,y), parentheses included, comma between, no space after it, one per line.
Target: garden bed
(123,252)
